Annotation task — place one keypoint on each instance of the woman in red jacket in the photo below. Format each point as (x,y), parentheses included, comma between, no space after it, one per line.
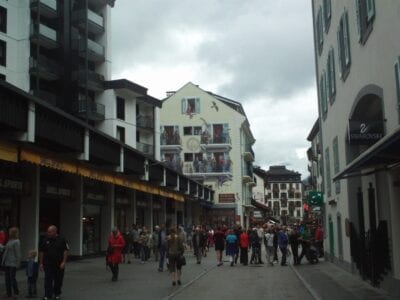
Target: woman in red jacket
(116,244)
(244,247)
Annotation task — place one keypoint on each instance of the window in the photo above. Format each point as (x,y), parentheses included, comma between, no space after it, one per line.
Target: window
(297,185)
(365,17)
(198,156)
(268,186)
(137,136)
(320,30)
(197,130)
(121,108)
(328,172)
(187,130)
(275,195)
(344,46)
(3,53)
(322,95)
(188,157)
(283,186)
(190,106)
(3,19)
(327,14)
(283,196)
(121,134)
(2,77)
(331,86)
(335,148)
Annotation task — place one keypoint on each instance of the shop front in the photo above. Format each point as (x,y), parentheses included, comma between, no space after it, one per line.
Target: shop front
(157,211)
(123,208)
(142,207)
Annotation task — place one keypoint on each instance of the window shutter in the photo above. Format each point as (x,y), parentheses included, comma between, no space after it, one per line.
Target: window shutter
(370,9)
(328,75)
(332,70)
(336,154)
(359,27)
(183,101)
(197,105)
(326,92)
(340,52)
(328,172)
(346,40)
(320,28)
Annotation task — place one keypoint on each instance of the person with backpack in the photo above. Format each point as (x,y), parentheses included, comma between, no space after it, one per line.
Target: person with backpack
(283,244)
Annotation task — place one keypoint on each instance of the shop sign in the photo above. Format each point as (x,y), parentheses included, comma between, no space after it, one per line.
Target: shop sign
(95,197)
(57,191)
(365,133)
(226,198)
(121,200)
(11,184)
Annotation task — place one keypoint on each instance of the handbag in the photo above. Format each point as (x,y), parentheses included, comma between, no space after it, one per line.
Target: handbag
(182,260)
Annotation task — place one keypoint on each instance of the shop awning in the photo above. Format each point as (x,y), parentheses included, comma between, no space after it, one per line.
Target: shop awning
(8,152)
(383,155)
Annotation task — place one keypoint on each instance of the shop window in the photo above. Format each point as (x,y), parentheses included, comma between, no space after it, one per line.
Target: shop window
(3,53)
(365,18)
(121,108)
(343,36)
(3,19)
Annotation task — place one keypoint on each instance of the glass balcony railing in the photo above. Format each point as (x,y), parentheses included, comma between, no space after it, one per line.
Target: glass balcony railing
(95,18)
(44,31)
(95,47)
(93,108)
(170,140)
(43,63)
(207,166)
(145,148)
(222,138)
(50,3)
(145,121)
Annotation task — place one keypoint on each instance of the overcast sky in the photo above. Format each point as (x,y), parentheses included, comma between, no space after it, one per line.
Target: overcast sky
(257,52)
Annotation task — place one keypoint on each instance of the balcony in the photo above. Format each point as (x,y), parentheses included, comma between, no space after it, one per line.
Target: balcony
(44,68)
(215,141)
(45,96)
(248,154)
(208,168)
(90,79)
(44,36)
(90,109)
(145,122)
(95,22)
(145,148)
(46,8)
(170,143)
(94,51)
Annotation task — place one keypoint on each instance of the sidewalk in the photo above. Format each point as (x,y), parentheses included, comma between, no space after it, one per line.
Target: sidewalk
(328,281)
(89,279)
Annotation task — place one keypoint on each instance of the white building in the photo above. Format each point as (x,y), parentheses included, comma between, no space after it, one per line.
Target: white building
(284,194)
(208,137)
(357,52)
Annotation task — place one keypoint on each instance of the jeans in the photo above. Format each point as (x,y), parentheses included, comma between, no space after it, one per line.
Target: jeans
(144,253)
(162,257)
(32,286)
(284,252)
(11,282)
(53,279)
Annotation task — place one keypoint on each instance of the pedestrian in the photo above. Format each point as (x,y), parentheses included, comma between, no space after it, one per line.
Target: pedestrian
(319,240)
(11,260)
(127,251)
(269,246)
(154,242)
(260,234)
(231,246)
(283,243)
(175,250)
(244,247)
(183,235)
(219,245)
(53,254)
(144,243)
(135,241)
(32,273)
(255,247)
(162,246)
(276,231)
(199,241)
(237,231)
(3,240)
(294,245)
(116,244)
(305,241)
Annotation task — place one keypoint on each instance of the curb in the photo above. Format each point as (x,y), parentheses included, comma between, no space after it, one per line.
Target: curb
(309,288)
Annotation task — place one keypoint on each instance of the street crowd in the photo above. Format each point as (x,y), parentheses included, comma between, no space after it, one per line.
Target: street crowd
(165,246)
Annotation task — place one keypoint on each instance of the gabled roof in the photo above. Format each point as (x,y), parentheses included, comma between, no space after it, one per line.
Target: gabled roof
(280,170)
(231,103)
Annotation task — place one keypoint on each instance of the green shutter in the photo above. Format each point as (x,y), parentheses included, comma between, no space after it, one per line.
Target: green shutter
(359,27)
(326,92)
(327,172)
(346,38)
(370,10)
(340,58)
(197,105)
(320,27)
(183,102)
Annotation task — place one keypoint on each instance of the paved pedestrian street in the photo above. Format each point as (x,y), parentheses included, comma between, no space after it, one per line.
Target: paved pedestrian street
(89,279)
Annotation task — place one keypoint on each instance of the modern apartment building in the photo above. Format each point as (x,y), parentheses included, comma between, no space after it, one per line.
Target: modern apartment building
(284,194)
(208,137)
(357,54)
(77,149)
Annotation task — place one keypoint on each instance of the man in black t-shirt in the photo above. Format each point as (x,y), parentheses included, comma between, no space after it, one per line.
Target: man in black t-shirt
(53,253)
